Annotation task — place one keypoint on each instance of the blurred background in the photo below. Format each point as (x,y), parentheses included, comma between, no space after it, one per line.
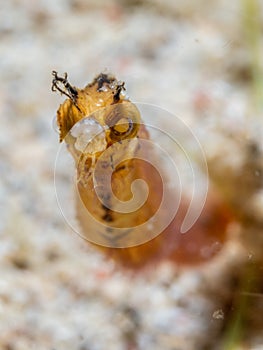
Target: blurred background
(200,60)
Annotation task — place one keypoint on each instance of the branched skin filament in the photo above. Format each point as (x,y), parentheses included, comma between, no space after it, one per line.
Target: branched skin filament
(122,198)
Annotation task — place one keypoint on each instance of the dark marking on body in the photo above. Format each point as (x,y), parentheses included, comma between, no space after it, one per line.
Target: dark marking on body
(111,162)
(107,217)
(122,167)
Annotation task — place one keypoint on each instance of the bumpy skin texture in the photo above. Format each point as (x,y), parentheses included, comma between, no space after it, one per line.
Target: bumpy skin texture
(103,99)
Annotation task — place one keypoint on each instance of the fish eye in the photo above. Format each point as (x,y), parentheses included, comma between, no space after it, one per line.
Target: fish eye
(122,126)
(123,121)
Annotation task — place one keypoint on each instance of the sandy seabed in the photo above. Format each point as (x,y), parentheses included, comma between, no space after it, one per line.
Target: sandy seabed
(191,58)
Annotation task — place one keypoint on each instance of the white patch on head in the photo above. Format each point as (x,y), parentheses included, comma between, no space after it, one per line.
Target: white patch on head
(90,136)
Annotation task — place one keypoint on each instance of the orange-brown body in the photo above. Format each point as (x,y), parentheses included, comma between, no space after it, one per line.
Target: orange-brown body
(103,100)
